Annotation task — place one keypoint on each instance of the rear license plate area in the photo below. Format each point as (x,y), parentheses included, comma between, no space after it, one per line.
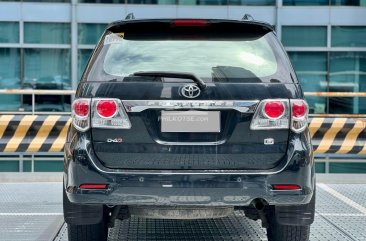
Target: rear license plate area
(190,121)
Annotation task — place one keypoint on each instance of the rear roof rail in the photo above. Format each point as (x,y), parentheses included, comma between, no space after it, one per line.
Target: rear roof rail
(247,17)
(130,16)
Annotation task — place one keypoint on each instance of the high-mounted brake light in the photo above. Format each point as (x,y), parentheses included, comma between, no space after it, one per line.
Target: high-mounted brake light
(288,187)
(299,115)
(190,22)
(106,108)
(80,114)
(274,109)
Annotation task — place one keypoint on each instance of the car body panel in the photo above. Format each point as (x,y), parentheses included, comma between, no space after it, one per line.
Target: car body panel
(127,187)
(145,166)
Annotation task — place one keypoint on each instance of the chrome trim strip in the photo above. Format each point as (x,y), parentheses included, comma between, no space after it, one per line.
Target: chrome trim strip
(172,143)
(243,106)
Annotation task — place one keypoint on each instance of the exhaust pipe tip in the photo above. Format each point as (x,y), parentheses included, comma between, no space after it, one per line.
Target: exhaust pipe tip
(259,204)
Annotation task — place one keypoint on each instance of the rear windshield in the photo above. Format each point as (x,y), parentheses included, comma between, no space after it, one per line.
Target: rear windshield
(212,58)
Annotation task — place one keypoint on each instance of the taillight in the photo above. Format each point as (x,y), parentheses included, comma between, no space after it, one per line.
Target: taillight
(109,114)
(274,109)
(277,114)
(299,108)
(271,114)
(299,115)
(81,107)
(106,108)
(80,114)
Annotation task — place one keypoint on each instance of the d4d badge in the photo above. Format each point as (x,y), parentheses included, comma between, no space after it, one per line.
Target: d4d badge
(115,140)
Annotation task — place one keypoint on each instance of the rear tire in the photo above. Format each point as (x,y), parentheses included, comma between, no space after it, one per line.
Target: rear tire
(285,232)
(93,232)
(88,232)
(278,232)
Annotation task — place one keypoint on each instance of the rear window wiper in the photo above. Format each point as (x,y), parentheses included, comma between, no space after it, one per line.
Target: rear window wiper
(178,75)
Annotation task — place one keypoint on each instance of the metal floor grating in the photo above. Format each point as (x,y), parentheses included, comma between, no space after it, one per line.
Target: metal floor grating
(33,211)
(228,229)
(234,228)
(30,211)
(356,192)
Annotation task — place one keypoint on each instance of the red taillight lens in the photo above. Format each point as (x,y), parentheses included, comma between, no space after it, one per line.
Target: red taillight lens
(299,109)
(109,114)
(299,115)
(93,186)
(106,108)
(81,108)
(80,114)
(286,187)
(190,22)
(274,109)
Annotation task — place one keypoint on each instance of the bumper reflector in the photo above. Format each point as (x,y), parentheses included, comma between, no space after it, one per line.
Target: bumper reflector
(93,186)
(286,187)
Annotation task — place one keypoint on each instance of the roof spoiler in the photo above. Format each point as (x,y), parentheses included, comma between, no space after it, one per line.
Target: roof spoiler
(247,18)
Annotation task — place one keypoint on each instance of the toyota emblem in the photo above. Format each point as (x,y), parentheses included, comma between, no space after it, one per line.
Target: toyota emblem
(190,91)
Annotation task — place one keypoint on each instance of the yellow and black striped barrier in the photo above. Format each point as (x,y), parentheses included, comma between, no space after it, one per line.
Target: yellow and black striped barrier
(47,133)
(338,135)
(33,133)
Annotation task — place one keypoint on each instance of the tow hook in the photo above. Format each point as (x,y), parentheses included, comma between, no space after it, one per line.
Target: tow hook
(112,216)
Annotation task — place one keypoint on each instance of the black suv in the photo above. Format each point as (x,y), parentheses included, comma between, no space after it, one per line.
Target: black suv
(189,119)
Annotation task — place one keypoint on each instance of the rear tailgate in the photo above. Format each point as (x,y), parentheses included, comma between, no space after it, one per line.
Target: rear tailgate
(227,104)
(235,146)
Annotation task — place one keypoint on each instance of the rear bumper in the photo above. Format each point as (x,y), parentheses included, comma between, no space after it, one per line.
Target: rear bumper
(120,195)
(188,188)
